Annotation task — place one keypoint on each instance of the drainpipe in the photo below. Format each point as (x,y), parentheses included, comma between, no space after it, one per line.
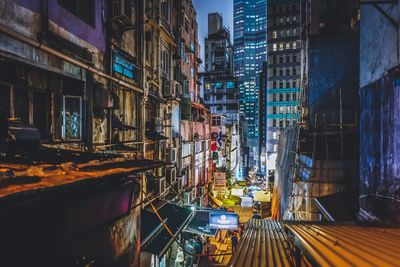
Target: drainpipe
(44,19)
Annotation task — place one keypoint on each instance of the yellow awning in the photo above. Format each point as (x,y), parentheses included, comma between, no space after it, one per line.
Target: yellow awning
(216,201)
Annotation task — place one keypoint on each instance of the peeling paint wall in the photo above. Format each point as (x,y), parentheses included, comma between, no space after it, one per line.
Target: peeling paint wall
(379,113)
(380,149)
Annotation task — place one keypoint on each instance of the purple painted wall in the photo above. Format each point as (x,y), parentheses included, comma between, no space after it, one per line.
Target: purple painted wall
(65,19)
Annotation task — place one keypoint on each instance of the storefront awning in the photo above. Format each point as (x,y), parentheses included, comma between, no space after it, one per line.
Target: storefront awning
(154,237)
(200,224)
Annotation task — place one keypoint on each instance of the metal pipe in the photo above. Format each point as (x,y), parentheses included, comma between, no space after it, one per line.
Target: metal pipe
(27,40)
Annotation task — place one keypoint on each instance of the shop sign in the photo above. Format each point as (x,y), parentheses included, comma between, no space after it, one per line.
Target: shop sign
(124,67)
(237,192)
(224,220)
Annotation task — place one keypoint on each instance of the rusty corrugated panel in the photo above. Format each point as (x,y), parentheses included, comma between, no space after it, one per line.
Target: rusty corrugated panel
(348,245)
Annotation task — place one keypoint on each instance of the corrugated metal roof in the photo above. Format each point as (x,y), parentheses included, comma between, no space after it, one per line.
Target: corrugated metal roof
(264,243)
(348,245)
(280,243)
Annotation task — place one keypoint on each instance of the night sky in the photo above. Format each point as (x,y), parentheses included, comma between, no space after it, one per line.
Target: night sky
(203,7)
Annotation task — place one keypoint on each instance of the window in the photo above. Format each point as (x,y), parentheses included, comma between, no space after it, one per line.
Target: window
(274,48)
(274,84)
(287,84)
(294,45)
(82,9)
(281,59)
(287,45)
(294,97)
(186,22)
(294,83)
(288,96)
(273,123)
(281,46)
(273,110)
(294,71)
(72,118)
(280,97)
(186,86)
(216,121)
(273,97)
(287,58)
(165,61)
(280,123)
(165,9)
(274,35)
(281,72)
(294,32)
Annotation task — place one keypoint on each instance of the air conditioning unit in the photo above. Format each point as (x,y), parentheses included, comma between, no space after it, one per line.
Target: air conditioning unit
(159,185)
(157,124)
(171,176)
(171,155)
(122,14)
(169,88)
(178,89)
(187,197)
(179,184)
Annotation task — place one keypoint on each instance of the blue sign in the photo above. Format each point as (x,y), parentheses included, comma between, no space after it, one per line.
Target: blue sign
(224,220)
(230,85)
(123,66)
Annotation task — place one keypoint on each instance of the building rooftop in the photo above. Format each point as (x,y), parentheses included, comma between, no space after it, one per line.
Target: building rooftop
(51,169)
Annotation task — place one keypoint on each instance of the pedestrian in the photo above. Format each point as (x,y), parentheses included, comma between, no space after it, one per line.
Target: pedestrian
(197,250)
(189,249)
(234,241)
(179,261)
(200,243)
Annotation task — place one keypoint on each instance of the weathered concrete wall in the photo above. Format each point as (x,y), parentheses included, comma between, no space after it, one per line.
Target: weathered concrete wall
(379,43)
(65,19)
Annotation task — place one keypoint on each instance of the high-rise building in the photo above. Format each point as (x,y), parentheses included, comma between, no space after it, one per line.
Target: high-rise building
(220,86)
(250,46)
(262,119)
(215,22)
(283,72)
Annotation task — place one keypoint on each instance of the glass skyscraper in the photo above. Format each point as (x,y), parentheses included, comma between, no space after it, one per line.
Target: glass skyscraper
(250,51)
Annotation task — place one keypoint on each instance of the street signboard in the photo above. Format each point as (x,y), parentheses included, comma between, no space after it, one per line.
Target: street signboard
(224,220)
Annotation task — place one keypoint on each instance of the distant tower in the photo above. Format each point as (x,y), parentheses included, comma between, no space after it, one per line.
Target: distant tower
(250,46)
(220,86)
